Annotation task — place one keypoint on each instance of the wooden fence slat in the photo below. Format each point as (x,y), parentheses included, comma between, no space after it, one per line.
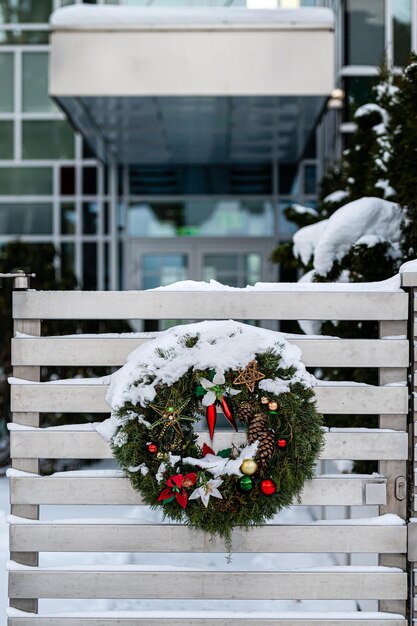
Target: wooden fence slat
(82,489)
(59,620)
(102,351)
(179,584)
(136,537)
(76,398)
(84,444)
(262,305)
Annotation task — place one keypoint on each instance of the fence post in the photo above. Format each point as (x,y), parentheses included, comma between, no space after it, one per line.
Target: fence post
(408,274)
(29,511)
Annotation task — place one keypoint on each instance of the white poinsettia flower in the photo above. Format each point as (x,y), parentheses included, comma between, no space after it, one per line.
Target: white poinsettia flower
(210,489)
(218,380)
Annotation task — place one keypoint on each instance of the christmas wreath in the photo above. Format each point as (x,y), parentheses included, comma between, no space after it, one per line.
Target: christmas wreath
(245,377)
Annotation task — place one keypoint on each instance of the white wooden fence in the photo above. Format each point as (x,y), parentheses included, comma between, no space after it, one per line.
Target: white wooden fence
(389,583)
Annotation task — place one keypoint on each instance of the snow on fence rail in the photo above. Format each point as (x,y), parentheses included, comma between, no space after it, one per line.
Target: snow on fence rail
(385,535)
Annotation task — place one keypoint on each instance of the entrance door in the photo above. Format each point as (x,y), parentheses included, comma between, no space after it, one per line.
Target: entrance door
(160,262)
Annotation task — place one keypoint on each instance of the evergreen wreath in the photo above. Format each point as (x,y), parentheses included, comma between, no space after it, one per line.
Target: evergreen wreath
(255,378)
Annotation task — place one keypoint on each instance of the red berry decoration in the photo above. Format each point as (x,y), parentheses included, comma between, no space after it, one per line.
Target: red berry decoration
(282,443)
(152,448)
(268,487)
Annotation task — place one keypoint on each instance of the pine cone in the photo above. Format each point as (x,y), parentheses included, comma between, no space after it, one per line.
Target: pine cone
(245,412)
(257,425)
(265,448)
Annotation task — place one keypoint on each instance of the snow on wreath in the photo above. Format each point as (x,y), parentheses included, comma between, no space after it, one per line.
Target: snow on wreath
(165,404)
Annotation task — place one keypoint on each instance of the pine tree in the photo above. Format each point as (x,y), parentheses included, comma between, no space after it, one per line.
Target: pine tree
(402,163)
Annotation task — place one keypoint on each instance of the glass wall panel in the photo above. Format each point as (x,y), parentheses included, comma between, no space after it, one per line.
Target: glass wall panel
(285,227)
(163,269)
(67,259)
(68,218)
(310,179)
(67,181)
(26,219)
(359,91)
(90,181)
(25,181)
(6,140)
(90,218)
(6,82)
(17,37)
(47,140)
(89,266)
(25,11)
(364,32)
(235,270)
(35,97)
(402,30)
(201,218)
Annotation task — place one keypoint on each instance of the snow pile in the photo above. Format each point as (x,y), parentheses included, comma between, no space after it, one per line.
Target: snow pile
(374,219)
(306,239)
(221,345)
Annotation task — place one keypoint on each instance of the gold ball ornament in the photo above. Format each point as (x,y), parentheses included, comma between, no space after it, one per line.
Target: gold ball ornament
(249,467)
(264,400)
(272,406)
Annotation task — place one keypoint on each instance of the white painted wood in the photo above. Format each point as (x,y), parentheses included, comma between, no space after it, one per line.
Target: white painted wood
(108,351)
(284,305)
(78,489)
(130,537)
(59,620)
(133,583)
(60,444)
(75,398)
(31,418)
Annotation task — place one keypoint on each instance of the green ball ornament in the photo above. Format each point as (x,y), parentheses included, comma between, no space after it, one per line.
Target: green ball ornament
(245,483)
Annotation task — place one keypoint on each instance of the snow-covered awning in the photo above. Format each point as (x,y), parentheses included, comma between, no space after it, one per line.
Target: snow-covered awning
(161,85)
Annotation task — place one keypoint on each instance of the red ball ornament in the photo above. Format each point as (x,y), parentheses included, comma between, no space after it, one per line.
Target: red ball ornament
(282,443)
(268,487)
(152,448)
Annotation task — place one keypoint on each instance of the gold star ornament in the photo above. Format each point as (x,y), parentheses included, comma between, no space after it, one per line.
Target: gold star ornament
(249,376)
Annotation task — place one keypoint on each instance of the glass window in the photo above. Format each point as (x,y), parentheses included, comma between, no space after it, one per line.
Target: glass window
(358,91)
(402,31)
(90,181)
(67,259)
(6,82)
(47,140)
(90,218)
(201,218)
(17,36)
(89,266)
(235,270)
(106,216)
(310,179)
(26,219)
(163,269)
(68,218)
(67,181)
(364,32)
(285,227)
(20,181)
(25,11)
(6,140)
(35,83)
